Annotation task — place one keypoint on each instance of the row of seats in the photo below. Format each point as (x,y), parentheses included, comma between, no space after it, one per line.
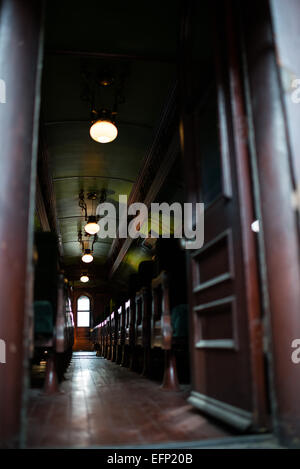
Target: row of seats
(53,326)
(147,322)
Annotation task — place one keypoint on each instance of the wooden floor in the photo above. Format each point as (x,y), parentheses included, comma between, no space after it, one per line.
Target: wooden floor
(103,404)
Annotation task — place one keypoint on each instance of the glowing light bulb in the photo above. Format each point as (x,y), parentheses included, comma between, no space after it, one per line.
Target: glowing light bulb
(103,131)
(92,226)
(84,278)
(87,256)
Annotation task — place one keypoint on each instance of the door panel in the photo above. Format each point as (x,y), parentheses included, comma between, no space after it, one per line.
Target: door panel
(225,336)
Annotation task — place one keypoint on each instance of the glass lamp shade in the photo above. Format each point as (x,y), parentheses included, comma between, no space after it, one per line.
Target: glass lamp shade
(92,226)
(87,256)
(103,131)
(84,278)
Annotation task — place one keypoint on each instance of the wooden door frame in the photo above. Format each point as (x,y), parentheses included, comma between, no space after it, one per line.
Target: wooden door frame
(272,141)
(21,57)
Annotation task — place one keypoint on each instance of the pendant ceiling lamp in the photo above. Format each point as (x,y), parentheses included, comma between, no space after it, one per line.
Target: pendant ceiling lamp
(103,129)
(84,278)
(92,226)
(104,90)
(87,256)
(88,237)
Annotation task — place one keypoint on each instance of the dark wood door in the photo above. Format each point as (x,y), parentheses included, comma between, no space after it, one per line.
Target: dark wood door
(228,376)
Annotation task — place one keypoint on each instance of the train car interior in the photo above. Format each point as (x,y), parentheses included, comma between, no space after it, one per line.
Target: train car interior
(149,224)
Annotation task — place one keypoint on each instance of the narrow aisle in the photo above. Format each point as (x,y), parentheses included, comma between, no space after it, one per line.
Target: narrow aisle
(103,404)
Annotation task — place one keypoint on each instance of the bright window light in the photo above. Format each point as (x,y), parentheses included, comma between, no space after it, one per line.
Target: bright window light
(83,319)
(83,311)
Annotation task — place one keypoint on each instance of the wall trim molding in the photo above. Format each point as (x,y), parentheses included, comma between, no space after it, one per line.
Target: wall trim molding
(232,415)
